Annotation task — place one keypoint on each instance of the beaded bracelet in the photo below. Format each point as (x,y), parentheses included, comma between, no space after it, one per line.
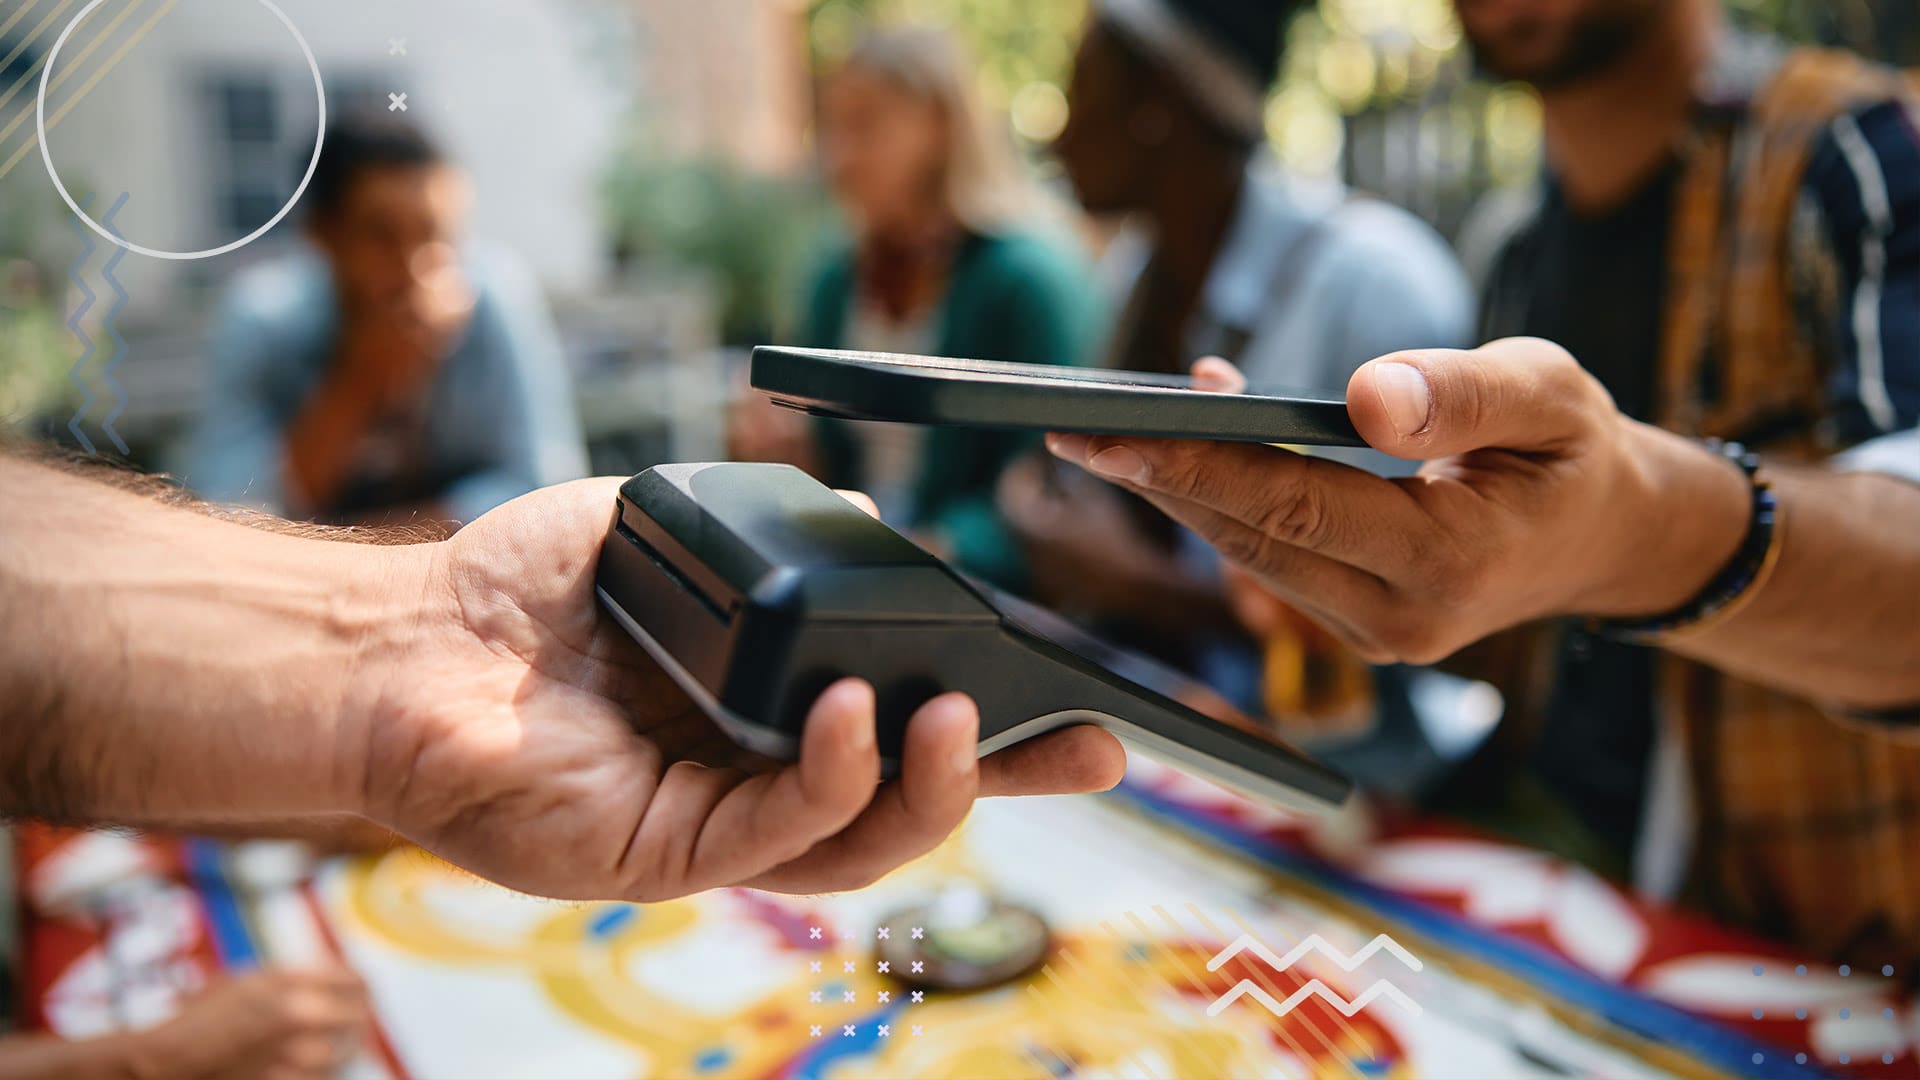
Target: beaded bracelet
(1736,583)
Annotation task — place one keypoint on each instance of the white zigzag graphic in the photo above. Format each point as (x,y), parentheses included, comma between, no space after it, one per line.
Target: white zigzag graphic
(1246,988)
(1312,942)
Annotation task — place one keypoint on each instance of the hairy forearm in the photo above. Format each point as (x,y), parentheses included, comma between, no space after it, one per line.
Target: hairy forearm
(163,665)
(1839,619)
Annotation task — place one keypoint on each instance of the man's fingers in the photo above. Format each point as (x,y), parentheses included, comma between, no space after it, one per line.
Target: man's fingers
(1339,596)
(1521,394)
(1214,374)
(1323,506)
(744,827)
(1070,761)
(939,777)
(862,500)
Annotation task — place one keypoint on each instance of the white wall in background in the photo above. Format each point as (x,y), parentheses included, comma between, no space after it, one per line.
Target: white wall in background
(528,94)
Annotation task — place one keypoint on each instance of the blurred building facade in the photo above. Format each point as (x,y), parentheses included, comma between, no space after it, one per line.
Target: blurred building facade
(204,118)
(726,79)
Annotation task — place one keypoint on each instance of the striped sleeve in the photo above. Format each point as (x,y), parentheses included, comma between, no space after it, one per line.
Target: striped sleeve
(1864,179)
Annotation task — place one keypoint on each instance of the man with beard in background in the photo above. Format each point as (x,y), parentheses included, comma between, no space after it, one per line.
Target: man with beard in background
(1726,234)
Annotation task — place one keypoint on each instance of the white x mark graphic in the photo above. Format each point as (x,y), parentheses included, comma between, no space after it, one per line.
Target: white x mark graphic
(396,103)
(885,1031)
(396,46)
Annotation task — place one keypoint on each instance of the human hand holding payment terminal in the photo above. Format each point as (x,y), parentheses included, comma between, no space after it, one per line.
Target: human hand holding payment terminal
(756,587)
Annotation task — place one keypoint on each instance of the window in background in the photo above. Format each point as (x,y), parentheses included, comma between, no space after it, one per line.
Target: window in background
(259,124)
(359,91)
(250,170)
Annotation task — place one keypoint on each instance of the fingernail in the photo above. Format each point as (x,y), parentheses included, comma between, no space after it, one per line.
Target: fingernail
(1403,390)
(1120,463)
(1071,447)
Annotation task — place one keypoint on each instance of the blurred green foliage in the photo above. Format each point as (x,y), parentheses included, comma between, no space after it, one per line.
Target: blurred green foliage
(747,232)
(34,348)
(1344,56)
(1017,43)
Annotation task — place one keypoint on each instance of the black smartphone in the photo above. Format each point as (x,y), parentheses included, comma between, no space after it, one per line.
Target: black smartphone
(1038,397)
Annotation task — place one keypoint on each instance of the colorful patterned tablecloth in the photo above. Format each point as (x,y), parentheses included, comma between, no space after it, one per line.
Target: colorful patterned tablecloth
(1195,934)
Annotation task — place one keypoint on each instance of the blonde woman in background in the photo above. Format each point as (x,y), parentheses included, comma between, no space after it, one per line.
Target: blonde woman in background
(941,254)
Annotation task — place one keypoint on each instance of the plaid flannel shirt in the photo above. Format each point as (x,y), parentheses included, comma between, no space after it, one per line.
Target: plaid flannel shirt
(1792,324)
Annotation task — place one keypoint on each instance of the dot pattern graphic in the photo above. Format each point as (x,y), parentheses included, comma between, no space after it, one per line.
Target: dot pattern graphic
(1843,1013)
(837,994)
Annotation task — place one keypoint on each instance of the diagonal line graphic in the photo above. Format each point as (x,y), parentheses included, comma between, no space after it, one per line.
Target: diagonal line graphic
(1140,987)
(33,70)
(1266,981)
(1353,1037)
(113,25)
(112,62)
(75,325)
(111,323)
(7,28)
(1201,988)
(33,35)
(1060,987)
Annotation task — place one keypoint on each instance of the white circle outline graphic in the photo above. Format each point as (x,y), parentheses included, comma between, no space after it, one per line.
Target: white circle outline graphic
(46,154)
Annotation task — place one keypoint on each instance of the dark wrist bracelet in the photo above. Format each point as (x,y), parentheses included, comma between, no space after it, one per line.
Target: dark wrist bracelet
(1750,565)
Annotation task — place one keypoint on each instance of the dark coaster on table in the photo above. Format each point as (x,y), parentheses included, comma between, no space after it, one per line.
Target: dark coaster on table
(967,940)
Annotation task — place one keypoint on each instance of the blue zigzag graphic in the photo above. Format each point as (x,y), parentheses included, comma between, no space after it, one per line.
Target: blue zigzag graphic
(74,324)
(111,323)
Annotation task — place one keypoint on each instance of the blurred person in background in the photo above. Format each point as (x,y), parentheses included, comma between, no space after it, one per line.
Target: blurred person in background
(945,255)
(1727,238)
(283,1023)
(1727,235)
(1295,281)
(1223,253)
(387,374)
